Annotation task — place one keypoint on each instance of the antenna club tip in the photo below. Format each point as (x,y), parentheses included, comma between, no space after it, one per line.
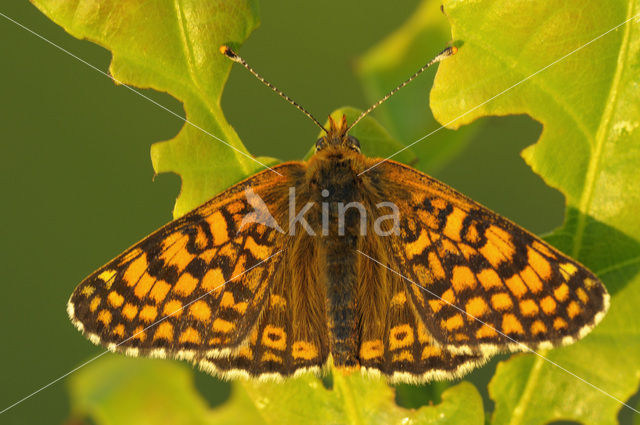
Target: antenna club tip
(453,50)
(226,50)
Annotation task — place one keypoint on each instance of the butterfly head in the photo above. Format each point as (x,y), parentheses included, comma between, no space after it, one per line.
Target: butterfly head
(337,136)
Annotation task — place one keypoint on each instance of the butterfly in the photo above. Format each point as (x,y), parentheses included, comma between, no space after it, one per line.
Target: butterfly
(344,260)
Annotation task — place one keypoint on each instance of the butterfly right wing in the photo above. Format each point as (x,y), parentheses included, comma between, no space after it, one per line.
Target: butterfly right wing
(196,286)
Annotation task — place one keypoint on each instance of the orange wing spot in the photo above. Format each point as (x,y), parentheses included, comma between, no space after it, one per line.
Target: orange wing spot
(452,323)
(224,326)
(423,334)
(164,331)
(453,227)
(144,285)
(212,280)
(107,275)
(568,270)
(235,207)
(371,349)
(582,295)
(190,335)
(201,240)
(118,330)
(269,356)
(486,331)
(431,351)
(200,311)
(461,337)
(528,308)
(448,297)
(135,270)
(472,234)
(304,350)
(489,279)
(418,246)
(129,311)
(439,203)
(87,291)
(277,301)
(423,274)
(104,316)
(159,291)
(400,336)
(115,299)
(185,285)
(548,305)
(95,302)
(139,333)
(462,278)
(538,327)
(229,302)
(466,250)
(561,292)
(448,247)
(531,279)
(274,337)
(148,313)
(543,249)
(130,255)
(403,356)
(399,299)
(181,259)
(435,266)
(503,241)
(258,251)
(246,352)
(559,323)
(573,309)
(208,255)
(516,286)
(477,307)
(172,308)
(511,324)
(492,254)
(501,301)
(218,228)
(240,268)
(539,264)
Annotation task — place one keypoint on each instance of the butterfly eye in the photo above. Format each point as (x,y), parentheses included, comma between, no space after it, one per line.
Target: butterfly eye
(320,144)
(353,143)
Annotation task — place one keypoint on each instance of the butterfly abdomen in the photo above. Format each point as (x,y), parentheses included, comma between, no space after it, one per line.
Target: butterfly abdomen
(336,183)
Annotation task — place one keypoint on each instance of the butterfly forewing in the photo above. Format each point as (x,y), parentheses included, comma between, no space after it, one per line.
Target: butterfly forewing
(194,288)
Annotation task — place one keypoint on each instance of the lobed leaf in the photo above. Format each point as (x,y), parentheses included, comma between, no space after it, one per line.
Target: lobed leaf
(586,93)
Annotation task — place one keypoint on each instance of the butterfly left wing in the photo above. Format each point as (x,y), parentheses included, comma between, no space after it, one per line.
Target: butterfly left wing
(195,287)
(479,282)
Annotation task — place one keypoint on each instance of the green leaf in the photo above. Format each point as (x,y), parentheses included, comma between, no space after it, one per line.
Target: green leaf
(407,114)
(118,390)
(589,104)
(173,47)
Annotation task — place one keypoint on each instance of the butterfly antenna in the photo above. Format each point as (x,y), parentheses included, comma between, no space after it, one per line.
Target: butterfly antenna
(226,50)
(449,51)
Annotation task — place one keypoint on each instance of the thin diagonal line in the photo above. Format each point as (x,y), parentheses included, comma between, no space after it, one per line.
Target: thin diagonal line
(502,92)
(136,92)
(136,334)
(506,336)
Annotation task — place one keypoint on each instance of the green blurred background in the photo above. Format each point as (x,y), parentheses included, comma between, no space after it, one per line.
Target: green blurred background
(78,186)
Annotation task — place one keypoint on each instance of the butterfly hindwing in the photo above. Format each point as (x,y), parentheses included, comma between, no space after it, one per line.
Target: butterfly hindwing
(195,287)
(482,283)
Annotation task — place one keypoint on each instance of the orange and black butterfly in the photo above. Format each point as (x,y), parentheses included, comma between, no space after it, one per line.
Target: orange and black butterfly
(426,286)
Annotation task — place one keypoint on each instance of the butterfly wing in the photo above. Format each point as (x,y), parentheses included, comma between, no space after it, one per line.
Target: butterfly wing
(196,286)
(479,282)
(394,340)
(291,336)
